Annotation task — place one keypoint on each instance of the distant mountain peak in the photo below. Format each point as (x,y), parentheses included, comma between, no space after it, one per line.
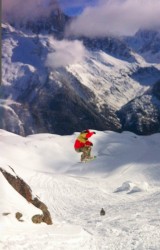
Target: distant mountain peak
(84,93)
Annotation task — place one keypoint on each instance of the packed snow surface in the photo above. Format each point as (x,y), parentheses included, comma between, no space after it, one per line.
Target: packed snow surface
(124,180)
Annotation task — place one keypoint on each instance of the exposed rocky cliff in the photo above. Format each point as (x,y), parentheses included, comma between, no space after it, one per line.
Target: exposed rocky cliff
(142,115)
(23,189)
(146,43)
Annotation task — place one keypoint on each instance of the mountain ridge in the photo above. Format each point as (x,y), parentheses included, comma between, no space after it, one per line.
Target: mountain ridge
(86,93)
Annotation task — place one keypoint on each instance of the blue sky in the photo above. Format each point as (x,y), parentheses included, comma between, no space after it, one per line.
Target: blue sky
(76,7)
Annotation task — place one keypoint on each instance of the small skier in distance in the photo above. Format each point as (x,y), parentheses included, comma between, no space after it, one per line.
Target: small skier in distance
(84,146)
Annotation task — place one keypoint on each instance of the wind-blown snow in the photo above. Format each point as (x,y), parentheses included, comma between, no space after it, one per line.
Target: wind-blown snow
(124,180)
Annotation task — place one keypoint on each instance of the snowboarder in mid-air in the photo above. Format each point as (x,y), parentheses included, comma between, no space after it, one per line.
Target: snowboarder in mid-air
(84,146)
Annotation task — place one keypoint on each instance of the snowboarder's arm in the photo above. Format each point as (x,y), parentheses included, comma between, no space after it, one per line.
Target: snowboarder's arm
(88,143)
(89,134)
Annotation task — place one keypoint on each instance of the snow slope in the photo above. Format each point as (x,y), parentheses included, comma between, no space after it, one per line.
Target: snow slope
(124,180)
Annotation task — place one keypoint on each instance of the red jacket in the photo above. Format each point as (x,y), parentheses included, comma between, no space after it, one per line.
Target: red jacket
(82,139)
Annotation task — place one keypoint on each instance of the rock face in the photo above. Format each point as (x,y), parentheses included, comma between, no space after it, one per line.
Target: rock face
(10,120)
(46,214)
(146,43)
(52,21)
(112,46)
(23,188)
(19,185)
(54,24)
(142,115)
(63,111)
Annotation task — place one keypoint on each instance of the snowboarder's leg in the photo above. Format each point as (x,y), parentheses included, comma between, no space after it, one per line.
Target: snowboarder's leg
(83,151)
(83,155)
(86,153)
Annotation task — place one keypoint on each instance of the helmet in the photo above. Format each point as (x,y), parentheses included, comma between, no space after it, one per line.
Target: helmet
(85,131)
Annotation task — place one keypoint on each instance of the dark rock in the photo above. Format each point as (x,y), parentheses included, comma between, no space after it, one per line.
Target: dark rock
(5,214)
(46,217)
(111,45)
(18,215)
(102,212)
(22,188)
(19,185)
(37,219)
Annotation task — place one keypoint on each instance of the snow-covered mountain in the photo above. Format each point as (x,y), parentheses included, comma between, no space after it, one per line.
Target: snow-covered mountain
(60,86)
(146,43)
(123,180)
(142,115)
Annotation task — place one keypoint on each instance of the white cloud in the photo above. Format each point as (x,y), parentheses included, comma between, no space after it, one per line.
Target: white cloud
(30,9)
(118,17)
(65,53)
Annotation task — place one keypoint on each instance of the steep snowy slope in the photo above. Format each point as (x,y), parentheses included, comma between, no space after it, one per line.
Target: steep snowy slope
(146,43)
(142,115)
(124,180)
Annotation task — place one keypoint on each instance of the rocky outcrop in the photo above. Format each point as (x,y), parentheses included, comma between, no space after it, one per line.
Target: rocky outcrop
(111,45)
(46,214)
(37,219)
(10,120)
(54,24)
(146,43)
(58,110)
(18,216)
(18,184)
(142,115)
(23,188)
(66,112)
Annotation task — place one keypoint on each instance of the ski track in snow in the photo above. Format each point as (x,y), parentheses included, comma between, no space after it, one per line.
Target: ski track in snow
(76,193)
(78,201)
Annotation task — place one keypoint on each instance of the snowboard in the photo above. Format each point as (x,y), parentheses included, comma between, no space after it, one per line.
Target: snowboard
(88,160)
